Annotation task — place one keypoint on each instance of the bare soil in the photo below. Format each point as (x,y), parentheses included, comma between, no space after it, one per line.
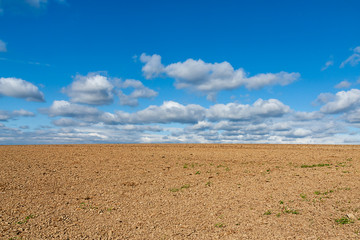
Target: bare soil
(180,191)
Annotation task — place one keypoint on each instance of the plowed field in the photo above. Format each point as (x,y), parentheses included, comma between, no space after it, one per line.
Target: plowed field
(175,191)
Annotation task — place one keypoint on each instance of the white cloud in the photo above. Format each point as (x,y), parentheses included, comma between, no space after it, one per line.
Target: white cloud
(143,92)
(238,112)
(327,65)
(82,133)
(2,46)
(354,59)
(306,116)
(6,115)
(271,130)
(343,101)
(18,88)
(261,80)
(67,109)
(66,122)
(299,133)
(96,89)
(140,91)
(323,98)
(211,77)
(153,66)
(353,116)
(201,125)
(126,100)
(93,89)
(23,113)
(168,112)
(343,84)
(281,126)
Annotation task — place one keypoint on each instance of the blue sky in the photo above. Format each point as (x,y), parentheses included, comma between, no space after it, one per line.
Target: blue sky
(179,71)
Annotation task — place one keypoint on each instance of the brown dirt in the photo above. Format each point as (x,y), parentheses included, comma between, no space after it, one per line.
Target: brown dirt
(179,192)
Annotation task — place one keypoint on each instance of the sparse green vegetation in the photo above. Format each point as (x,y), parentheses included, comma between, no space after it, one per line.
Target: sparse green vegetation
(292,211)
(185,186)
(344,220)
(192,165)
(303,196)
(174,189)
(341,164)
(27,218)
(268,212)
(324,193)
(197,173)
(208,184)
(178,189)
(84,205)
(315,165)
(219,225)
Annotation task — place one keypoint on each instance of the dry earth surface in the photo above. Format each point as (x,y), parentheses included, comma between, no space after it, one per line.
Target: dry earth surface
(180,191)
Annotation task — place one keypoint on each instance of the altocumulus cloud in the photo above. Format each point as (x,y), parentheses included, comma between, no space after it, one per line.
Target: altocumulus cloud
(18,88)
(211,78)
